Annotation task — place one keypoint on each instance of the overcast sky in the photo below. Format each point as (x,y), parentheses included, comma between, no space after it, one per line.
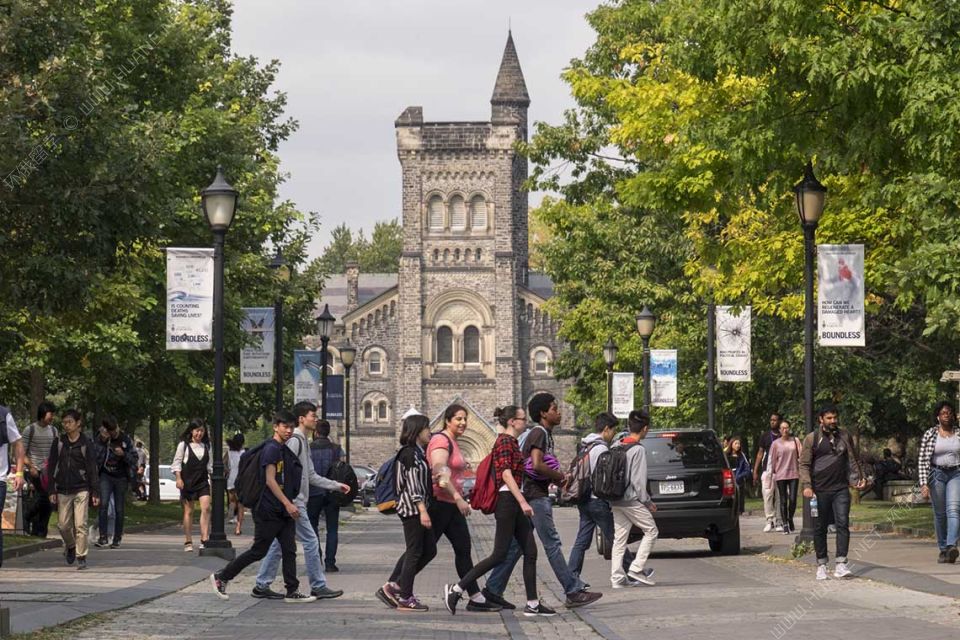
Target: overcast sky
(350,67)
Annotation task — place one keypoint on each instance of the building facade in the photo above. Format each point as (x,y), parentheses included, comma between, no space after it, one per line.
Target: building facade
(462,320)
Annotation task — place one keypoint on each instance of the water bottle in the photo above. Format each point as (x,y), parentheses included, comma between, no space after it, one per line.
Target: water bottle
(814,512)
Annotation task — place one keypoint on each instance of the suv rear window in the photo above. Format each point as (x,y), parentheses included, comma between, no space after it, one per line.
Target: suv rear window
(691,449)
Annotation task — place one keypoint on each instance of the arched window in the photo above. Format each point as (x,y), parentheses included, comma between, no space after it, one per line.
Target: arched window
(444,345)
(478,254)
(368,411)
(541,362)
(382,411)
(458,214)
(471,345)
(436,255)
(435,213)
(478,213)
(374,364)
(456,255)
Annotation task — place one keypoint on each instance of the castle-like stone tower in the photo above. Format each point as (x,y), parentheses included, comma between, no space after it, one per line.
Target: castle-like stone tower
(463,321)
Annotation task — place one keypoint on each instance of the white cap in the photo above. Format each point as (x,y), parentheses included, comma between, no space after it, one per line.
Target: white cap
(412,411)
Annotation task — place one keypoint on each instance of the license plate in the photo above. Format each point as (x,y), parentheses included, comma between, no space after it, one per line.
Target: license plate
(671,487)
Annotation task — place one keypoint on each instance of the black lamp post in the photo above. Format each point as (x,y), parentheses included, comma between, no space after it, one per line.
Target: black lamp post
(219,202)
(810,196)
(646,323)
(282,269)
(610,357)
(348,354)
(711,365)
(324,327)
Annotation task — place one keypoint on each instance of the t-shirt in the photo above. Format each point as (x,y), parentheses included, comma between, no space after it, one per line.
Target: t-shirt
(289,473)
(538,438)
(234,459)
(831,464)
(766,440)
(12,436)
(38,439)
(785,459)
(455,462)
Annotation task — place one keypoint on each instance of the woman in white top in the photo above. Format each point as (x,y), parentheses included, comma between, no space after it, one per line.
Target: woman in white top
(232,463)
(939,475)
(193,466)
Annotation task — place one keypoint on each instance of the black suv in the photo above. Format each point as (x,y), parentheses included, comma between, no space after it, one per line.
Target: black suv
(690,481)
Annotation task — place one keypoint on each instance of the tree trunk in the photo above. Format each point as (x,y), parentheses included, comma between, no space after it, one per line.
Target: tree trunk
(37,388)
(154,459)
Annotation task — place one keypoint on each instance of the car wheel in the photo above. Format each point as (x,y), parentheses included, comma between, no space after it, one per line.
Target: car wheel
(727,544)
(603,548)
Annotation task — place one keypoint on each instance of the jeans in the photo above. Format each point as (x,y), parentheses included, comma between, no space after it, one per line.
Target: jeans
(112,486)
(945,496)
(836,503)
(311,555)
(593,513)
(326,504)
(447,520)
(512,526)
(547,532)
(624,519)
(40,522)
(421,549)
(265,533)
(787,495)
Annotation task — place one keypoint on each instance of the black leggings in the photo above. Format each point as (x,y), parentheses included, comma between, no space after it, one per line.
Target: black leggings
(511,525)
(787,490)
(447,520)
(421,549)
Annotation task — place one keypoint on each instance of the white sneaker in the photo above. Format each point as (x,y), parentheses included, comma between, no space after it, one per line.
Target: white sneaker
(779,528)
(822,572)
(626,583)
(768,528)
(841,570)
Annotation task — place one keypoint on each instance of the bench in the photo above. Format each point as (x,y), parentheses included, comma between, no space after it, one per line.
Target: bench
(900,491)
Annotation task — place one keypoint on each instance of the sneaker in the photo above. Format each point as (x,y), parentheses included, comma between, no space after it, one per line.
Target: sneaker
(188,547)
(625,583)
(382,597)
(295,597)
(643,577)
(822,572)
(831,528)
(115,544)
(451,598)
(779,527)
(392,591)
(540,610)
(81,563)
(942,558)
(219,586)
(841,570)
(266,593)
(332,568)
(483,607)
(71,555)
(326,593)
(498,600)
(202,545)
(952,553)
(101,542)
(582,599)
(411,604)
(787,531)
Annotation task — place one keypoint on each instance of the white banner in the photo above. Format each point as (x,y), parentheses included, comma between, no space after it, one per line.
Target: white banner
(189,299)
(733,345)
(663,377)
(306,376)
(256,360)
(621,400)
(840,293)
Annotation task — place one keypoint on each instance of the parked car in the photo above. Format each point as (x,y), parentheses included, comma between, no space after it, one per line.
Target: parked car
(693,487)
(168,482)
(469,482)
(367,482)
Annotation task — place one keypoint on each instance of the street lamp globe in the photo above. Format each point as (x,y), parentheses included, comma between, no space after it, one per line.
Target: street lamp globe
(280,266)
(646,322)
(810,197)
(610,353)
(219,201)
(325,322)
(348,355)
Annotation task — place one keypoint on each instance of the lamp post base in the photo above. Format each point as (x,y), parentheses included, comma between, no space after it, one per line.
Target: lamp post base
(219,549)
(806,530)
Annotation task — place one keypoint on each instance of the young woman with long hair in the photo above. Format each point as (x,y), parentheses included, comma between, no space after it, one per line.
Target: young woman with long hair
(232,463)
(193,466)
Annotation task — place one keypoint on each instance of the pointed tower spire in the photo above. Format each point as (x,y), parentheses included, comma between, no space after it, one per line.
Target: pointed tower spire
(510,98)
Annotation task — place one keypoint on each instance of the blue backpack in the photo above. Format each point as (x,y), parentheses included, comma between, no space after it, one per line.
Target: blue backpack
(385,491)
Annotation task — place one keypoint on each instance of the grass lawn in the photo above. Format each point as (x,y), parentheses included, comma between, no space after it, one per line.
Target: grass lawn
(876,512)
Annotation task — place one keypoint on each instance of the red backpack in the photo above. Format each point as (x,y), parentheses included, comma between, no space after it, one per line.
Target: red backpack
(484,498)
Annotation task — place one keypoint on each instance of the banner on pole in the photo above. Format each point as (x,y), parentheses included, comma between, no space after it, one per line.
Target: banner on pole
(334,397)
(189,299)
(622,399)
(840,294)
(256,359)
(306,376)
(733,345)
(663,377)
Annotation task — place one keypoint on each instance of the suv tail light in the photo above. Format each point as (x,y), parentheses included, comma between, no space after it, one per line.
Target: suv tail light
(729,486)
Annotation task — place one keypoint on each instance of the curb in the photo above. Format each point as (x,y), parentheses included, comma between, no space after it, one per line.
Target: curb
(55,543)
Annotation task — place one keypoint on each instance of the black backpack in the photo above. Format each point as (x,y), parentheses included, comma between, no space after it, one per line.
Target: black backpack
(610,475)
(250,483)
(343,473)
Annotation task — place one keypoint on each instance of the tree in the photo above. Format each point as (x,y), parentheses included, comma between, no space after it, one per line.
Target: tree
(381,254)
(697,119)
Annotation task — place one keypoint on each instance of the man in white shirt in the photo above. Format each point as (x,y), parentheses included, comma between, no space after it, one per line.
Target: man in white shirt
(9,435)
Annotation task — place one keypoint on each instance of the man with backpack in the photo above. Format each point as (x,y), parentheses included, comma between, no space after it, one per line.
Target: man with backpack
(540,469)
(9,435)
(38,437)
(275,516)
(306,416)
(117,458)
(73,485)
(324,454)
(594,512)
(633,507)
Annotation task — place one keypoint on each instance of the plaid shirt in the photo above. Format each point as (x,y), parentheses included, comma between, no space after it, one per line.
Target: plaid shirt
(506,455)
(925,460)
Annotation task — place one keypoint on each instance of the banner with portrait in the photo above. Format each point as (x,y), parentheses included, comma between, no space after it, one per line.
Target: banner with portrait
(840,296)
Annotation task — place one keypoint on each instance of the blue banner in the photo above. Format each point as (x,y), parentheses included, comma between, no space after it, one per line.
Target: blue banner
(334,397)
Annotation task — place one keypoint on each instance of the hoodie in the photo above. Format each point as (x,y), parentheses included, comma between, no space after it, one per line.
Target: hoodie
(637,471)
(597,446)
(298,444)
